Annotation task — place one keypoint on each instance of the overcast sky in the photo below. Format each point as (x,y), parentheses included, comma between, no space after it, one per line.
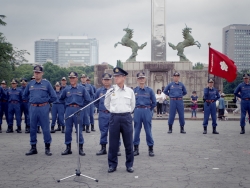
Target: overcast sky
(31,20)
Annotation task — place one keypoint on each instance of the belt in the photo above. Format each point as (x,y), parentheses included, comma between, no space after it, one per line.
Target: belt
(105,111)
(14,102)
(4,100)
(74,105)
(120,114)
(176,98)
(39,105)
(25,101)
(211,101)
(145,107)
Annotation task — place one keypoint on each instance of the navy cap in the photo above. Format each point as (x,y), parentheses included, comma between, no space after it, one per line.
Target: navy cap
(14,81)
(84,76)
(63,78)
(38,68)
(176,74)
(140,75)
(106,76)
(88,79)
(3,82)
(23,80)
(32,78)
(119,71)
(57,84)
(73,75)
(210,80)
(246,75)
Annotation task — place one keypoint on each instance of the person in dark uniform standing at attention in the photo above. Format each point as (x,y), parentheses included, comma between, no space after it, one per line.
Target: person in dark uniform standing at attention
(176,90)
(25,106)
(15,99)
(1,94)
(120,104)
(145,103)
(75,97)
(211,95)
(92,106)
(63,83)
(243,92)
(4,104)
(40,94)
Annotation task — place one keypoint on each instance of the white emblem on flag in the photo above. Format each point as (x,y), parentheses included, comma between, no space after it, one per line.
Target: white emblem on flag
(223,66)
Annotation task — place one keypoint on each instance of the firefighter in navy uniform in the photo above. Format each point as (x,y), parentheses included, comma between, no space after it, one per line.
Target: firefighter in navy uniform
(243,92)
(25,106)
(92,106)
(211,95)
(145,103)
(176,90)
(120,104)
(4,103)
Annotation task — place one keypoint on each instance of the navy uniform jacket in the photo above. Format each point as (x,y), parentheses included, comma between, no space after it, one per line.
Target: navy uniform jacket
(15,95)
(5,94)
(89,89)
(145,97)
(58,94)
(211,94)
(39,93)
(100,103)
(75,95)
(1,94)
(22,89)
(63,87)
(175,90)
(244,90)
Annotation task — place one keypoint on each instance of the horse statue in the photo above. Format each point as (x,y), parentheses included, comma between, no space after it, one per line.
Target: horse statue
(126,41)
(188,41)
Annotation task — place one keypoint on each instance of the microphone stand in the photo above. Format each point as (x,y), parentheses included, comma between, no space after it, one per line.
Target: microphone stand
(78,172)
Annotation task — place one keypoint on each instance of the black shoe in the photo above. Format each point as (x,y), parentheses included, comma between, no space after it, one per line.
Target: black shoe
(205,130)
(136,150)
(214,131)
(170,129)
(92,128)
(63,129)
(182,130)
(151,151)
(32,150)
(111,169)
(242,130)
(59,128)
(81,152)
(68,150)
(0,128)
(52,130)
(83,128)
(103,150)
(47,149)
(87,129)
(38,130)
(119,153)
(27,129)
(10,129)
(130,169)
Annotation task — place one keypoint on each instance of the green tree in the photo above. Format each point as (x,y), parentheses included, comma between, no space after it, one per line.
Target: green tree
(1,20)
(23,71)
(119,64)
(198,66)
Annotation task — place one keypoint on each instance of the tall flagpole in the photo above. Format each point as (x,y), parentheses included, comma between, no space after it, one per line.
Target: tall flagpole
(209,44)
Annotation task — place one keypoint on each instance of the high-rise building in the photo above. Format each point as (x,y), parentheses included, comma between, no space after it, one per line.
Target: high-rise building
(236,44)
(46,50)
(77,51)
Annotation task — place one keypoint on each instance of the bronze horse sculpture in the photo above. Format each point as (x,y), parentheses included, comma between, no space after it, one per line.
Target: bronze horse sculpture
(126,41)
(188,41)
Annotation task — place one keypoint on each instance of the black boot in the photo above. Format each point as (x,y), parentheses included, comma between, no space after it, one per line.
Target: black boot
(81,152)
(214,131)
(136,150)
(205,130)
(151,151)
(10,129)
(19,130)
(83,128)
(87,129)
(38,129)
(182,130)
(242,130)
(52,129)
(32,150)
(59,128)
(103,150)
(0,128)
(47,149)
(68,150)
(27,129)
(92,127)
(63,129)
(119,152)
(170,129)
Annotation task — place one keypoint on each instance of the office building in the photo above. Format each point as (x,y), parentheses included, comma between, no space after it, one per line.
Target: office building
(236,44)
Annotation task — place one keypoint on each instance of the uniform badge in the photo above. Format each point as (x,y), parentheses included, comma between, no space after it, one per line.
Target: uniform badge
(68,92)
(32,86)
(116,70)
(37,68)
(135,93)
(172,86)
(101,94)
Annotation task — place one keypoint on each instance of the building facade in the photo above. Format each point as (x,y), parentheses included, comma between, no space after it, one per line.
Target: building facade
(46,50)
(236,44)
(77,51)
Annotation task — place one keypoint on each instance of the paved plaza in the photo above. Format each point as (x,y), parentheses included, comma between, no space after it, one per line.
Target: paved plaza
(181,160)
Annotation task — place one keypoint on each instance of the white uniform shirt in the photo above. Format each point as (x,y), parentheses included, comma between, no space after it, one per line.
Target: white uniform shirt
(121,100)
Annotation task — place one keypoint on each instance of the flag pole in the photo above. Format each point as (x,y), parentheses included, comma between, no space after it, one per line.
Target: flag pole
(209,44)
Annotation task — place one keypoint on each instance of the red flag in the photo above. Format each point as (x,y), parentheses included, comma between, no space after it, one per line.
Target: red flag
(220,65)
